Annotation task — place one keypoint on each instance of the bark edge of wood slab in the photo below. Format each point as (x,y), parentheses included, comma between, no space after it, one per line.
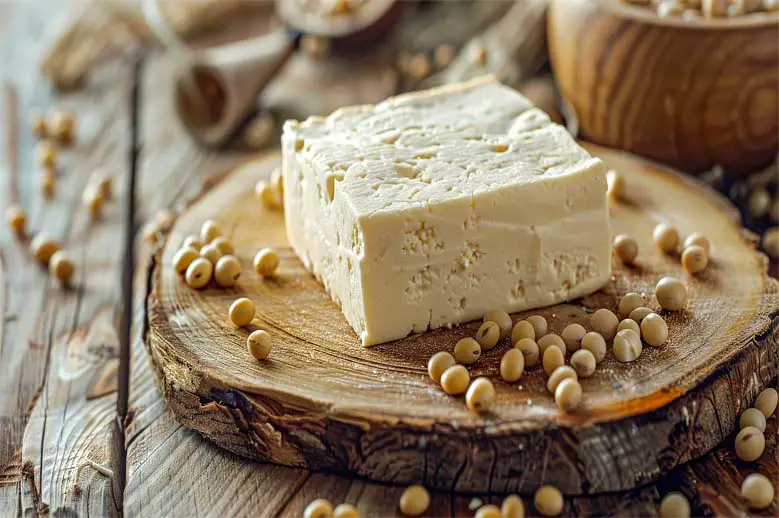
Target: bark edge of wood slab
(326,403)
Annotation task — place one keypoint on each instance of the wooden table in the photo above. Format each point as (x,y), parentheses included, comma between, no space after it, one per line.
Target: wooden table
(58,348)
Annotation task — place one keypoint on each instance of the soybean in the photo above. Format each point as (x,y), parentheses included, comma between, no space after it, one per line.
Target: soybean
(752,417)
(209,231)
(346,511)
(757,490)
(666,237)
(211,253)
(488,511)
(199,273)
(572,336)
(629,323)
(480,395)
(694,259)
(530,351)
(626,249)
(627,346)
(17,219)
(512,365)
(224,245)
(522,329)
(242,312)
(227,271)
(654,330)
(266,262)
(583,361)
(766,401)
(43,247)
(548,501)
(696,238)
(512,507)
(629,302)
(539,324)
(502,319)
(552,359)
(259,344)
(549,340)
(604,322)
(183,259)
(467,351)
(596,344)
(750,444)
(671,294)
(639,314)
(674,505)
(414,501)
(560,373)
(438,363)
(488,335)
(61,267)
(568,394)
(319,508)
(455,380)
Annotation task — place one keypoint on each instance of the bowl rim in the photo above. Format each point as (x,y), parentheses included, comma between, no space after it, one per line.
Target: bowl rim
(647,15)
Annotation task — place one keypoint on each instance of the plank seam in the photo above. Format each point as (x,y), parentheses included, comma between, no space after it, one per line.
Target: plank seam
(293,493)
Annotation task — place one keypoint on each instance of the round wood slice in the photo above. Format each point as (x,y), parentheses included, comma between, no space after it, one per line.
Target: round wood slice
(322,401)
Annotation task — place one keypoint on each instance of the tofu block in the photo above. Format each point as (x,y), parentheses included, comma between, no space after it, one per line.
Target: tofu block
(432,208)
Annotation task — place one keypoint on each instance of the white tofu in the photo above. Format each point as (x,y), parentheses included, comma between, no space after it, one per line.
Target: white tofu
(432,208)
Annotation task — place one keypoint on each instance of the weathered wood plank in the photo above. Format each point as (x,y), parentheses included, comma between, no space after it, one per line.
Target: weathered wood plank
(21,357)
(173,171)
(173,168)
(10,468)
(75,328)
(66,429)
(183,475)
(58,342)
(10,496)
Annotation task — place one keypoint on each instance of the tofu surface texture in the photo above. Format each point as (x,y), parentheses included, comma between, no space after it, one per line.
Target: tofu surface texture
(432,208)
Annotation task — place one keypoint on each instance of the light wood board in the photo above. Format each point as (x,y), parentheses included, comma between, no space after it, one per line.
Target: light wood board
(325,402)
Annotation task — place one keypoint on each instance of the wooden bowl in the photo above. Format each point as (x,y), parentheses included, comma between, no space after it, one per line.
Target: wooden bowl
(691,94)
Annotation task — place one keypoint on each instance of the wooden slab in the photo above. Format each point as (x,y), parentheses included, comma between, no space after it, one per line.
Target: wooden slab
(325,402)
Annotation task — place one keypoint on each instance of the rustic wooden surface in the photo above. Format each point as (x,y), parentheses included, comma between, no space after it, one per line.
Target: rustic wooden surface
(45,332)
(55,343)
(375,413)
(632,87)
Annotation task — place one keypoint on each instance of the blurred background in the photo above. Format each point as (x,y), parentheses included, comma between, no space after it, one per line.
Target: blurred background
(688,83)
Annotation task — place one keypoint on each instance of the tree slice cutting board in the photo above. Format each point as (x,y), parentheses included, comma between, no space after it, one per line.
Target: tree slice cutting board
(322,401)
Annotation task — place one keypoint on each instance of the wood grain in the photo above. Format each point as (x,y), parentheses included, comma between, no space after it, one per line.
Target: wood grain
(66,429)
(373,412)
(42,322)
(171,471)
(69,421)
(162,481)
(690,94)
